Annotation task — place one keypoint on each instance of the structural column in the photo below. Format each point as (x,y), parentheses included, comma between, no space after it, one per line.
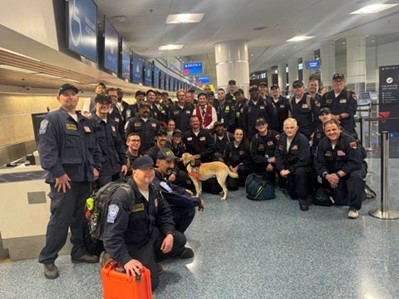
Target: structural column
(327,58)
(282,76)
(292,70)
(356,63)
(306,73)
(231,60)
(270,73)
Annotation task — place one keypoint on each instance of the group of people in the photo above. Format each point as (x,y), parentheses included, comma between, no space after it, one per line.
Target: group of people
(293,140)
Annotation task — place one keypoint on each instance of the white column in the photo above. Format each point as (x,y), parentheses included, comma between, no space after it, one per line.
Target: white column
(270,73)
(231,60)
(356,63)
(292,70)
(282,76)
(327,58)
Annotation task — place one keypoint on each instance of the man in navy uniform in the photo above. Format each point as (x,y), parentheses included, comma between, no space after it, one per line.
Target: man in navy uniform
(342,103)
(69,152)
(339,162)
(293,162)
(143,232)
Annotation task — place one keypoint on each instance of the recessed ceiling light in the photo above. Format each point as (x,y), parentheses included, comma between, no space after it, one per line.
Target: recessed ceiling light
(16,69)
(373,8)
(184,18)
(300,38)
(170,47)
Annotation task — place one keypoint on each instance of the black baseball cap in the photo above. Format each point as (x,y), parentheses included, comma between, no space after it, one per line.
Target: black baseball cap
(262,84)
(162,132)
(253,88)
(140,92)
(217,124)
(325,110)
(67,86)
(274,86)
(103,99)
(260,121)
(143,162)
(297,83)
(166,154)
(232,82)
(144,104)
(177,132)
(338,76)
(238,91)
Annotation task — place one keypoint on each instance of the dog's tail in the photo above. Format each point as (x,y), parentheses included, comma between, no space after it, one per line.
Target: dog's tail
(232,174)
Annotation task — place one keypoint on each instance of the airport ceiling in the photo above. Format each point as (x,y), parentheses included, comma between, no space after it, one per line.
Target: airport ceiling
(264,25)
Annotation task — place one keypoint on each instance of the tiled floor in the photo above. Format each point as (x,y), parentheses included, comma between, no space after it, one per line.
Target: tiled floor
(247,250)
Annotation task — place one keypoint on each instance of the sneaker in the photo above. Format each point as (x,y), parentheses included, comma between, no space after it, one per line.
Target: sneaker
(86,258)
(187,253)
(50,271)
(353,214)
(303,206)
(104,256)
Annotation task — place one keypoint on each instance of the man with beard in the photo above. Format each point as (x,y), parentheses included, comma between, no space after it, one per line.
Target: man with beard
(181,202)
(181,112)
(282,106)
(239,106)
(225,111)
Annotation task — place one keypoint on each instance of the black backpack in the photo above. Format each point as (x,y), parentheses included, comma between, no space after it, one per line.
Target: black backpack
(97,207)
(257,188)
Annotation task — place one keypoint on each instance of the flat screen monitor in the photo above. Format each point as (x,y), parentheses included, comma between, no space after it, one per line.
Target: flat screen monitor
(125,61)
(137,69)
(82,28)
(111,46)
(312,64)
(156,77)
(204,80)
(148,73)
(36,120)
(192,68)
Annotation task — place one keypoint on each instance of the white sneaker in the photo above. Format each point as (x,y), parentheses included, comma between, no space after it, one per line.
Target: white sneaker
(353,214)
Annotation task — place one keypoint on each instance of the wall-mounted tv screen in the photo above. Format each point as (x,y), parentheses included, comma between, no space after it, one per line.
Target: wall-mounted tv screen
(125,61)
(204,80)
(156,77)
(162,80)
(312,64)
(167,82)
(148,73)
(111,46)
(192,68)
(137,69)
(82,28)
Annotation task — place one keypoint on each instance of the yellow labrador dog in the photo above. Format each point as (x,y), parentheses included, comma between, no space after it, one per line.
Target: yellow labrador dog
(207,171)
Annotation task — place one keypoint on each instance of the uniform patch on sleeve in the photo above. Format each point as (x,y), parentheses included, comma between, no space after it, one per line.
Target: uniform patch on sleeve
(43,127)
(112,213)
(165,187)
(353,145)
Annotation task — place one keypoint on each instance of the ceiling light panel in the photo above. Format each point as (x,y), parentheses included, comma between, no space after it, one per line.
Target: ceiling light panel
(184,18)
(170,47)
(373,8)
(300,38)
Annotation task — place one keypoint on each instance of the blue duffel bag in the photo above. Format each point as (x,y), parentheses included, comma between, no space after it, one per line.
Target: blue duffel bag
(257,188)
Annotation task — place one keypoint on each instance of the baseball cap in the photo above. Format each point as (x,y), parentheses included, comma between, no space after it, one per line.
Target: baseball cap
(325,110)
(338,76)
(260,121)
(217,124)
(297,83)
(166,154)
(177,132)
(232,82)
(67,86)
(143,162)
(140,93)
(162,132)
(103,99)
(145,104)
(239,91)
(253,88)
(262,84)
(274,86)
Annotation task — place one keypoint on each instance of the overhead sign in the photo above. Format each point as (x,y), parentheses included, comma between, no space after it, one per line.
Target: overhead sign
(111,45)
(312,64)
(82,28)
(192,68)
(204,80)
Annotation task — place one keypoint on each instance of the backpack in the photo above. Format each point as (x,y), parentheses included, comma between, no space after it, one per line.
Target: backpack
(257,188)
(97,207)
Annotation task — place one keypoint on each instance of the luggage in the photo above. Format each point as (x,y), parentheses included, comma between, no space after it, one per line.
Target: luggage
(117,285)
(257,188)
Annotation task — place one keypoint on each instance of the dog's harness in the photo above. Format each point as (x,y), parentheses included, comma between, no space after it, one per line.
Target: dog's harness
(191,173)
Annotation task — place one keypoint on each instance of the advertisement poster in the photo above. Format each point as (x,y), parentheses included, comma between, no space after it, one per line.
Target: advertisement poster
(389,99)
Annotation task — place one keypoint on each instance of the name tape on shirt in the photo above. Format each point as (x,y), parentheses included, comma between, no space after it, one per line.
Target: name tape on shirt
(71,127)
(138,207)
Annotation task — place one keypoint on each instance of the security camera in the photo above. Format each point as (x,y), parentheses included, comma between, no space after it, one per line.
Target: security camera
(28,88)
